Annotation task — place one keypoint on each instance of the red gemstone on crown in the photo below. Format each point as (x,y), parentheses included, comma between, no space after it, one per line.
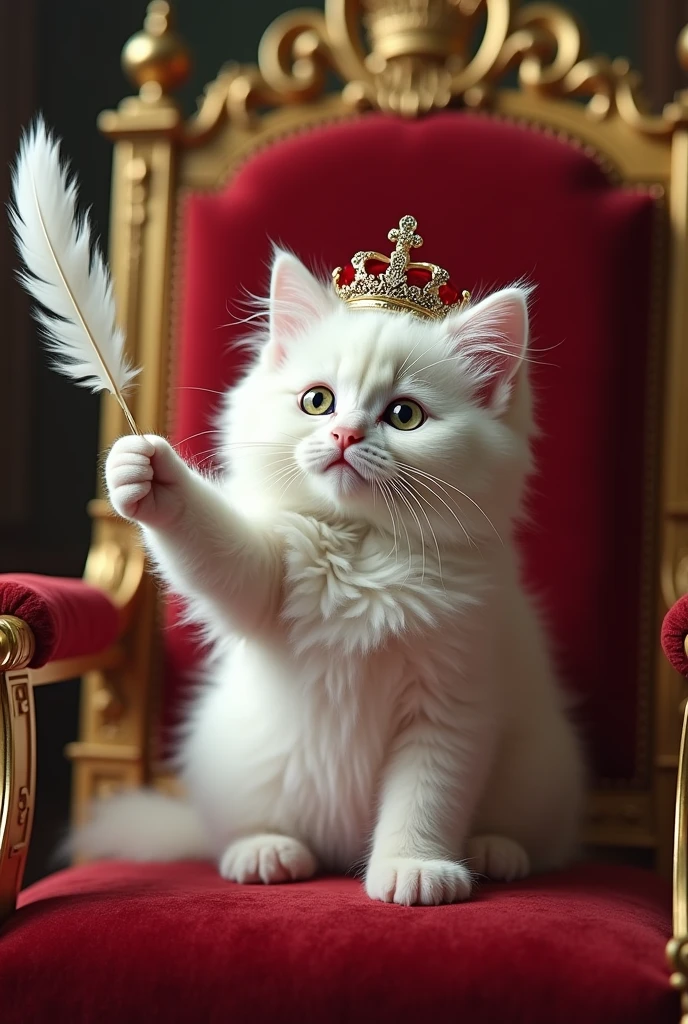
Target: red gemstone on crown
(448,294)
(376,267)
(346,275)
(418,276)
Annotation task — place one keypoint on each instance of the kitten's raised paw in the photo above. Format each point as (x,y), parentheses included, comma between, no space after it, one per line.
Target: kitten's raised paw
(498,857)
(268,859)
(143,474)
(408,881)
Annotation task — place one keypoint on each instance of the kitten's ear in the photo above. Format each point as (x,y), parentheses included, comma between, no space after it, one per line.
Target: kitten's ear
(297,300)
(493,337)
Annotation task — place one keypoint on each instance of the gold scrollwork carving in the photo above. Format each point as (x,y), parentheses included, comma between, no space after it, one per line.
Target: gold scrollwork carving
(21,699)
(22,806)
(107,565)
(17,782)
(677,957)
(677,954)
(412,56)
(136,173)
(107,702)
(116,561)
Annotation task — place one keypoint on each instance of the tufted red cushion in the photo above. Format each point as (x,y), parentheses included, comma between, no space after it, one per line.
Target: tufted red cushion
(68,617)
(674,632)
(495,201)
(115,942)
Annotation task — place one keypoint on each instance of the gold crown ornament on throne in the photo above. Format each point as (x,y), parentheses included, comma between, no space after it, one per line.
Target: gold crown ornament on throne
(374,281)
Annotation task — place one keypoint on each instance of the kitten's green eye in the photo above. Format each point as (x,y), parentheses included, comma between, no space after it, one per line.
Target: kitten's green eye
(404,414)
(318,401)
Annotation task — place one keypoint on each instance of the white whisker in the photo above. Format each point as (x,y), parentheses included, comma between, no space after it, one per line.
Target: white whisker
(200,462)
(410,491)
(277,462)
(388,488)
(213,452)
(378,487)
(192,387)
(254,444)
(199,433)
(444,484)
(290,480)
(403,497)
(279,473)
(423,353)
(423,483)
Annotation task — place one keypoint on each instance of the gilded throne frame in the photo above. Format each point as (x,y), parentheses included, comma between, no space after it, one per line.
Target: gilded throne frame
(417,60)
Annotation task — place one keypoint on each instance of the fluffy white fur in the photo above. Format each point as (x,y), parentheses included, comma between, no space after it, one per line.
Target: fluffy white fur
(380,696)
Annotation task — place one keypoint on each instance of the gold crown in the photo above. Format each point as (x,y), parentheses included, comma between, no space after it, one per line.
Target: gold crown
(374,281)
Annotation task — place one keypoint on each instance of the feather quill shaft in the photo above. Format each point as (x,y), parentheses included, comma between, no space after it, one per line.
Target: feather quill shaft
(65,272)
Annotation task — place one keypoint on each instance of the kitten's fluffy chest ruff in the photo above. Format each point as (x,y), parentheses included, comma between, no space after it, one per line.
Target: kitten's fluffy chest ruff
(355,589)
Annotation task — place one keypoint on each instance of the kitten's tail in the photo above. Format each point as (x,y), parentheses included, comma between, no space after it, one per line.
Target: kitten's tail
(141,825)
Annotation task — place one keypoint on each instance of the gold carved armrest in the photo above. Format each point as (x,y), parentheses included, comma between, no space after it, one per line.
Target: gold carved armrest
(677,947)
(18,742)
(17,756)
(675,644)
(116,567)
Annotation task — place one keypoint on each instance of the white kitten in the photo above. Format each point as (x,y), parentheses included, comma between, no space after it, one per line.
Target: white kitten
(380,692)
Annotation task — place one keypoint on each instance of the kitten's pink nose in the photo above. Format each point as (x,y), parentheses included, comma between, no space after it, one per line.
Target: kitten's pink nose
(344,436)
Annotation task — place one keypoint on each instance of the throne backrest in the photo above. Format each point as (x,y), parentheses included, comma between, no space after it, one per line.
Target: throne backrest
(505,185)
(495,201)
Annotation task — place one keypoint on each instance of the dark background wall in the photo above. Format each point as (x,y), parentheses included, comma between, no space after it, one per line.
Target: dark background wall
(63,59)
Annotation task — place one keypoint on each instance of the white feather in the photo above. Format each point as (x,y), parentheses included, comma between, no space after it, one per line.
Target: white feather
(64,271)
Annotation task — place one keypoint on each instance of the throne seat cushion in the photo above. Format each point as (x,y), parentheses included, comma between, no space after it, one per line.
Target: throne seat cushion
(114,942)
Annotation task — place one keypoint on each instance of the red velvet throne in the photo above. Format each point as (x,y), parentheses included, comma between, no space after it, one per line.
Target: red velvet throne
(588,200)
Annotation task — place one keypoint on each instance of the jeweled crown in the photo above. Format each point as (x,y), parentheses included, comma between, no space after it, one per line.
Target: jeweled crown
(374,281)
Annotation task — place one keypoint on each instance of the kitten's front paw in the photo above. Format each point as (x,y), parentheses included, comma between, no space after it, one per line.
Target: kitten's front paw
(267,859)
(408,881)
(143,476)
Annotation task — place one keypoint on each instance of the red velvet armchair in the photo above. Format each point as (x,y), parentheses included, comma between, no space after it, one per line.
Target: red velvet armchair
(589,199)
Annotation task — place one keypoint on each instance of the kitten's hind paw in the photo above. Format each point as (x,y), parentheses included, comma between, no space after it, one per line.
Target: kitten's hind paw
(498,857)
(268,859)
(408,881)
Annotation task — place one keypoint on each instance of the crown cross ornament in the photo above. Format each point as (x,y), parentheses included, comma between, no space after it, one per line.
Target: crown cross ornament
(374,281)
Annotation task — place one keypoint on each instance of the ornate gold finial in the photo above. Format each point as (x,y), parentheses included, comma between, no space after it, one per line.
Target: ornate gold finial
(374,281)
(156,59)
(405,28)
(415,48)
